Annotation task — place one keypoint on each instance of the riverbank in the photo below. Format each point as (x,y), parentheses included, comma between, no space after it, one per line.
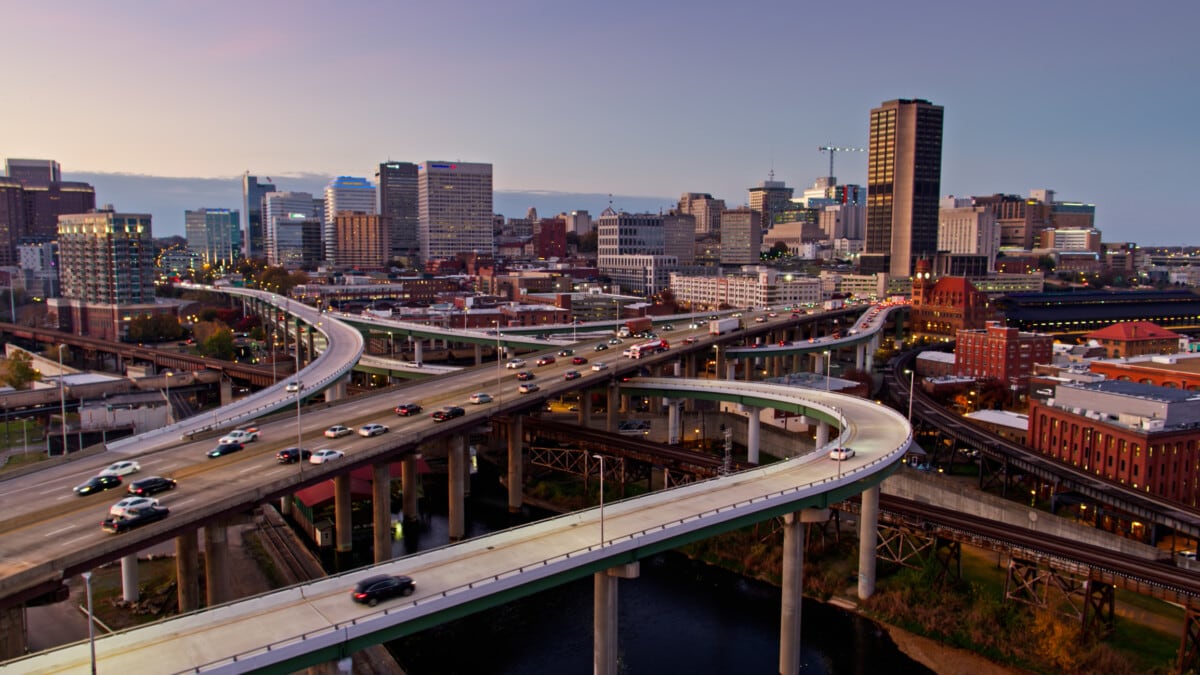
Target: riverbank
(943,659)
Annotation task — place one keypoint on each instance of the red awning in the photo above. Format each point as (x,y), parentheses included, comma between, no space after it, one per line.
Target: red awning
(360,483)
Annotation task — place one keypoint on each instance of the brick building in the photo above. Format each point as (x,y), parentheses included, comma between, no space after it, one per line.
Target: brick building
(943,307)
(1000,353)
(1135,338)
(1138,435)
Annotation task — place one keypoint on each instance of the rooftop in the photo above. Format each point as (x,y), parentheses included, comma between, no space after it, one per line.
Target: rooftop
(1138,390)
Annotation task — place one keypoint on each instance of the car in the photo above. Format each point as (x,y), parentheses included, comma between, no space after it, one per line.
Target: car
(134,518)
(97,484)
(223,449)
(480,398)
(599,365)
(371,590)
(337,431)
(694,325)
(292,387)
(527,387)
(572,375)
(240,436)
(760,319)
(545,360)
(369,430)
(615,341)
(666,327)
(513,364)
(525,376)
(292,455)
(325,455)
(150,485)
(121,468)
(578,361)
(772,314)
(406,409)
(600,347)
(566,352)
(448,413)
(130,503)
(840,454)
(691,339)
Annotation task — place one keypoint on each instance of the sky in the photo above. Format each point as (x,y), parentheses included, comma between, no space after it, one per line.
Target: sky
(642,100)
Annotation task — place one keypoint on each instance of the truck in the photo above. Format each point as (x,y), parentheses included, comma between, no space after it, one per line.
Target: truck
(835,303)
(635,326)
(723,326)
(647,348)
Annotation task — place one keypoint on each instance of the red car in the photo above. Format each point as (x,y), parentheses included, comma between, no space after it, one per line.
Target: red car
(578,361)
(406,409)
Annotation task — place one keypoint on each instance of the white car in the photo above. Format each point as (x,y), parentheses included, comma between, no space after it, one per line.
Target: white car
(122,507)
(240,436)
(326,455)
(121,469)
(527,387)
(513,364)
(599,365)
(480,398)
(840,454)
(292,387)
(369,430)
(337,431)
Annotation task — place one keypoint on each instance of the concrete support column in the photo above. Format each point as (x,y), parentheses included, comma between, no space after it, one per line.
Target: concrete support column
(408,485)
(285,505)
(418,346)
(749,369)
(585,408)
(868,524)
(792,594)
(674,425)
(381,510)
(457,456)
(860,353)
(187,572)
(752,433)
(731,371)
(614,393)
(478,354)
(13,632)
(341,512)
(776,366)
(625,407)
(226,390)
(795,363)
(819,364)
(871,347)
(721,368)
(336,391)
(129,578)
(516,464)
(658,478)
(822,433)
(604,617)
(312,344)
(690,366)
(677,369)
(216,563)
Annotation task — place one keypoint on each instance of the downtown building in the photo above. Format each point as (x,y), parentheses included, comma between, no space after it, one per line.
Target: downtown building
(904,168)
(361,242)
(348,194)
(253,245)
(398,205)
(753,287)
(1000,353)
(965,229)
(214,235)
(631,251)
(741,236)
(770,199)
(106,272)
(454,206)
(293,230)
(32,197)
(705,209)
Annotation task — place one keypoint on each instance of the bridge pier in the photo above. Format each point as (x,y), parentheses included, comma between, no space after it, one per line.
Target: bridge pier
(516,465)
(418,357)
(860,352)
(336,391)
(187,571)
(129,578)
(216,563)
(868,524)
(793,586)
(614,392)
(822,437)
(478,354)
(408,485)
(731,370)
(604,617)
(674,423)
(456,525)
(584,417)
(381,510)
(226,391)
(753,427)
(341,512)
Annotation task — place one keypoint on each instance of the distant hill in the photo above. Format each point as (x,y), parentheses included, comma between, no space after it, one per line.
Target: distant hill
(167,198)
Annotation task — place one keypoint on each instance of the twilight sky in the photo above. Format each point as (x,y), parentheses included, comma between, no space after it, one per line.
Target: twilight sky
(643,99)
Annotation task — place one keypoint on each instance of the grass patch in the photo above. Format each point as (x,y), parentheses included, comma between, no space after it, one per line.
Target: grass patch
(22,459)
(156,590)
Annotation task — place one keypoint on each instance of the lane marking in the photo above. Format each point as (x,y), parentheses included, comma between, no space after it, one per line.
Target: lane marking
(61,529)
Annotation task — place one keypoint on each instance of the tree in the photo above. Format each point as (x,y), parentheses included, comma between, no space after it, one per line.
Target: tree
(17,370)
(219,344)
(589,241)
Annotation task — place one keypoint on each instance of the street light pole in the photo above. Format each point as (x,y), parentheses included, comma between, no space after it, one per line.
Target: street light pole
(87,580)
(912,379)
(170,417)
(828,365)
(62,403)
(299,391)
(601,458)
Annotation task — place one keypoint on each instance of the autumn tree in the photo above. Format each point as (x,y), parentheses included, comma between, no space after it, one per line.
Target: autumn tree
(17,370)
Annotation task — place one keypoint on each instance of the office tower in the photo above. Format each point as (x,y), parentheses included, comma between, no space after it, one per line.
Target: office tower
(904,169)
(39,267)
(631,250)
(345,193)
(1020,220)
(967,229)
(214,235)
(706,210)
(34,171)
(397,183)
(769,198)
(741,236)
(550,238)
(12,218)
(679,237)
(293,228)
(31,200)
(455,207)
(252,223)
(360,241)
(579,222)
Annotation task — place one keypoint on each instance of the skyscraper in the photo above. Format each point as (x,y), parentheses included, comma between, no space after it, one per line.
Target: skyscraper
(292,229)
(398,203)
(768,198)
(252,224)
(360,241)
(706,210)
(213,234)
(345,193)
(455,209)
(904,170)
(741,236)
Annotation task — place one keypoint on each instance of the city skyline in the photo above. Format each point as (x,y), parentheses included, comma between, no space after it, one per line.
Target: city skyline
(532,89)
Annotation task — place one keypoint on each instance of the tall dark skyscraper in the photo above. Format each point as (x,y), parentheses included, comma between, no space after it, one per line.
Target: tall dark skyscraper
(397,186)
(252,224)
(904,174)
(31,200)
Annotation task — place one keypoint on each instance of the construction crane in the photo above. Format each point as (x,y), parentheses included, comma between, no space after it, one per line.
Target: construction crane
(832,151)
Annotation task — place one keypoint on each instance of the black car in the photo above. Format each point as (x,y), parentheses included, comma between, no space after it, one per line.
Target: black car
(149,485)
(371,590)
(406,409)
(525,376)
(98,484)
(292,455)
(448,413)
(224,449)
(134,518)
(566,352)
